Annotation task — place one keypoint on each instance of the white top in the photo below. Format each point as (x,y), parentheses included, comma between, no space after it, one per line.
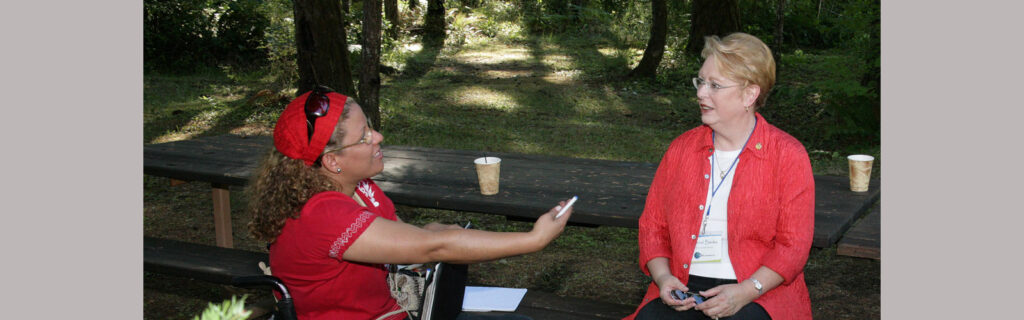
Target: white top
(719,216)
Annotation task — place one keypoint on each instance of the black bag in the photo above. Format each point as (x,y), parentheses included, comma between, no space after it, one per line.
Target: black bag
(445,289)
(435,294)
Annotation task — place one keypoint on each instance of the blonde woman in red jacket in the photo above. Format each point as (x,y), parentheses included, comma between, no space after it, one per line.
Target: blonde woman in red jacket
(730,214)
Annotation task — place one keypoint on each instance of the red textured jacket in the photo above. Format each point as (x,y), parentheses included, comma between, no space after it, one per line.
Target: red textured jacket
(771,213)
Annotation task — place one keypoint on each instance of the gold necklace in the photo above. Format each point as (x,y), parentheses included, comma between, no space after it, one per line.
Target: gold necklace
(721,171)
(715,155)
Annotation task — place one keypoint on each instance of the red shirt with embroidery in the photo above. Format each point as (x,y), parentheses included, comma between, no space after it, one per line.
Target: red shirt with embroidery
(771,213)
(307,256)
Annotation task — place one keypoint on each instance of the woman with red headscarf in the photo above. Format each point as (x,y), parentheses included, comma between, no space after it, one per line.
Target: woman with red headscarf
(332,230)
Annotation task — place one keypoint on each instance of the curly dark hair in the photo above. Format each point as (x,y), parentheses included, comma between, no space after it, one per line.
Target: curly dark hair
(282,185)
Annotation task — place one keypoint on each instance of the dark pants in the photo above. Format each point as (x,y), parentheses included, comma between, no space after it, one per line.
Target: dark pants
(489,316)
(656,309)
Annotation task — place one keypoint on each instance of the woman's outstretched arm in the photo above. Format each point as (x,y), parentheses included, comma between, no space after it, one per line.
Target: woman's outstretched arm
(386,241)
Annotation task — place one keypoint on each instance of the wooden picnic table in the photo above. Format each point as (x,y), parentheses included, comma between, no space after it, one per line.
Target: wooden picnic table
(612,193)
(864,238)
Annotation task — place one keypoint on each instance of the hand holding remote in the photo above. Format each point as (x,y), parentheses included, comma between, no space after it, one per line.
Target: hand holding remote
(566,207)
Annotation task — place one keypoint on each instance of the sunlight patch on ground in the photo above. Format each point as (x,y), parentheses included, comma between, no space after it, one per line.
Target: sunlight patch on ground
(501,74)
(173,136)
(557,61)
(610,52)
(495,55)
(662,100)
(413,47)
(562,77)
(202,122)
(479,96)
(253,130)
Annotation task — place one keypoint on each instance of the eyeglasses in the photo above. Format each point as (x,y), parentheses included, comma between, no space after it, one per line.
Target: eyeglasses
(367,138)
(680,295)
(714,86)
(317,105)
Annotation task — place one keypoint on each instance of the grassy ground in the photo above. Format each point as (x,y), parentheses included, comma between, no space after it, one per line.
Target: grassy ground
(540,96)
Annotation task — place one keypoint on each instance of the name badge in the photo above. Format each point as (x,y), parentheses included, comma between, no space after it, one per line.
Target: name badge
(708,249)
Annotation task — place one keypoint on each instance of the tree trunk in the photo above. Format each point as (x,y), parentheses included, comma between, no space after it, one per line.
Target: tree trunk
(322,52)
(648,66)
(433,23)
(818,18)
(369,72)
(391,12)
(712,17)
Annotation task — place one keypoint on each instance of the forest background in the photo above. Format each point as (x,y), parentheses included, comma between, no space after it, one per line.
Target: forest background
(605,79)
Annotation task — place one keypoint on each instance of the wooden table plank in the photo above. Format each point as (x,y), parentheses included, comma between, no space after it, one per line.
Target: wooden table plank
(836,207)
(864,239)
(612,193)
(224,159)
(212,264)
(544,305)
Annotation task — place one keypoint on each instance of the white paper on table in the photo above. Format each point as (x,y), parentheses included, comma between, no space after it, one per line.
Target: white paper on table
(482,299)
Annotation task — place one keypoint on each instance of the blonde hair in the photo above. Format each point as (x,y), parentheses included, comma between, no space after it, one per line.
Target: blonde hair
(743,57)
(282,185)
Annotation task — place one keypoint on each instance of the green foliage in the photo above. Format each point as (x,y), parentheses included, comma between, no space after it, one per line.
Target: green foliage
(843,92)
(279,43)
(177,34)
(853,111)
(188,35)
(631,23)
(559,16)
(861,25)
(233,309)
(499,20)
(853,103)
(820,101)
(240,31)
(811,24)
(827,93)
(758,18)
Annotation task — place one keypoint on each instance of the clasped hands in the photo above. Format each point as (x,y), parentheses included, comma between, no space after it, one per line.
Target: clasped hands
(722,301)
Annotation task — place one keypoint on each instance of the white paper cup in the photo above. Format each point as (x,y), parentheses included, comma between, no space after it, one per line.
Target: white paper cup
(488,169)
(860,171)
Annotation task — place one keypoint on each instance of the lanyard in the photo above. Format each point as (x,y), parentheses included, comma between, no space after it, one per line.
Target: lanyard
(707,213)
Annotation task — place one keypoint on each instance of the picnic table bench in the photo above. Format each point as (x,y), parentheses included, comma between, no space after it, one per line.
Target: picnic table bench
(612,193)
(226,266)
